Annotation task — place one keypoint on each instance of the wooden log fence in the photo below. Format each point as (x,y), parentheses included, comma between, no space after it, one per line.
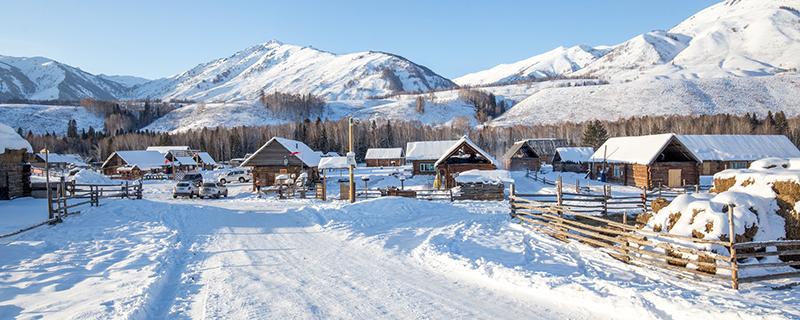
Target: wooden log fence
(646,248)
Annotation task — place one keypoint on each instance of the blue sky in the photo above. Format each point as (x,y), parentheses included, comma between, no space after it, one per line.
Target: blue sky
(159,38)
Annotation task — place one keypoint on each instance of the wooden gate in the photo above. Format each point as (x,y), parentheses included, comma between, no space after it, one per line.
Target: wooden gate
(674,179)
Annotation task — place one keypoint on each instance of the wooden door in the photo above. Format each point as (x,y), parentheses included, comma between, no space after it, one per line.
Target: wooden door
(674,179)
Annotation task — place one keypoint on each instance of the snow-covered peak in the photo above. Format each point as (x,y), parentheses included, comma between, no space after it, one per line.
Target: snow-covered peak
(40,78)
(274,66)
(554,63)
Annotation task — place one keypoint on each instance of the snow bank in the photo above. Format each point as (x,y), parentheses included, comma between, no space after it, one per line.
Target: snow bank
(91,177)
(484,176)
(9,139)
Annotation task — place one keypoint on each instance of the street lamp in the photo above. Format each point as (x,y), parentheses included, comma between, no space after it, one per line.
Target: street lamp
(402,180)
(351,160)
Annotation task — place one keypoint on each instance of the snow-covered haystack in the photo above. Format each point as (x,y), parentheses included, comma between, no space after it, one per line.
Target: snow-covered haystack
(86,176)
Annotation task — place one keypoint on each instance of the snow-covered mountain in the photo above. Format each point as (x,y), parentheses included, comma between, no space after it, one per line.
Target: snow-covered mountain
(39,78)
(274,66)
(557,62)
(126,81)
(41,119)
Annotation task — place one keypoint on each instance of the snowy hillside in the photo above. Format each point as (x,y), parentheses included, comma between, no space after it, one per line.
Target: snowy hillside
(41,119)
(40,78)
(274,66)
(125,81)
(665,97)
(557,62)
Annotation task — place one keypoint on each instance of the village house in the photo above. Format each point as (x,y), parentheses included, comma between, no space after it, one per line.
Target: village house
(545,148)
(646,161)
(720,152)
(384,157)
(59,161)
(281,156)
(423,155)
(15,171)
(463,155)
(521,157)
(204,160)
(133,164)
(178,158)
(572,159)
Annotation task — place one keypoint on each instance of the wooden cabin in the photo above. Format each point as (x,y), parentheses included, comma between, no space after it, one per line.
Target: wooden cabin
(204,160)
(572,159)
(384,157)
(646,161)
(546,147)
(59,161)
(424,154)
(133,164)
(521,157)
(720,152)
(462,156)
(15,171)
(282,156)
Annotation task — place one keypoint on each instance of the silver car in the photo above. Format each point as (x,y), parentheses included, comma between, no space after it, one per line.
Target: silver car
(213,189)
(184,189)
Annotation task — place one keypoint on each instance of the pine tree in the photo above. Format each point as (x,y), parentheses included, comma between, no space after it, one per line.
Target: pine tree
(72,128)
(781,123)
(595,134)
(420,104)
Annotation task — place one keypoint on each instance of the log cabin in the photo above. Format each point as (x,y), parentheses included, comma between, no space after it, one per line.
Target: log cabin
(133,164)
(423,155)
(204,160)
(384,157)
(15,169)
(463,155)
(721,152)
(282,156)
(521,157)
(572,159)
(647,161)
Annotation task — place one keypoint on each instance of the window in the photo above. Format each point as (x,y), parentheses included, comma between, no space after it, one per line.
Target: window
(617,171)
(738,164)
(426,167)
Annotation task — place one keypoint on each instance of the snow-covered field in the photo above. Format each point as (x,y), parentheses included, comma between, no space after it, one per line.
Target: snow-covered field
(251,257)
(41,119)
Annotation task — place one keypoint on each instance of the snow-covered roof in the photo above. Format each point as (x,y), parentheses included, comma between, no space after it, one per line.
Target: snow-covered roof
(427,150)
(298,149)
(469,142)
(166,149)
(9,139)
(143,159)
(634,149)
(327,154)
(384,153)
(186,161)
(484,176)
(333,163)
(739,147)
(206,158)
(72,159)
(575,154)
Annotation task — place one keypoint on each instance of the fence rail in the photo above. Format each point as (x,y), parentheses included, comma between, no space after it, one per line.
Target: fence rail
(646,248)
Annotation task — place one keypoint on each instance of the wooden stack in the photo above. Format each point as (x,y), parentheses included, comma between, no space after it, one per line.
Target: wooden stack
(481,191)
(15,174)
(394,192)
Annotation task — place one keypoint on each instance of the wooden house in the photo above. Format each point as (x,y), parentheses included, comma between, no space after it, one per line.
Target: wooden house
(15,170)
(59,161)
(463,155)
(572,159)
(424,154)
(521,157)
(133,164)
(178,158)
(720,152)
(204,160)
(647,161)
(280,156)
(384,157)
(546,147)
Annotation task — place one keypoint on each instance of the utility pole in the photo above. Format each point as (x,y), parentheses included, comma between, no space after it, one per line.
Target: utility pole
(47,182)
(351,156)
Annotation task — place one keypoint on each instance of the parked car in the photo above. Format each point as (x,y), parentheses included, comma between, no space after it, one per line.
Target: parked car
(213,189)
(235,175)
(195,178)
(185,189)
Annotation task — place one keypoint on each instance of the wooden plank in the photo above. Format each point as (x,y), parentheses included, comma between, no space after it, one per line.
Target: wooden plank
(770,265)
(775,276)
(776,243)
(768,254)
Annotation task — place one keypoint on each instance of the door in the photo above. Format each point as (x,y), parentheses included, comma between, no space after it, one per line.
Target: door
(674,179)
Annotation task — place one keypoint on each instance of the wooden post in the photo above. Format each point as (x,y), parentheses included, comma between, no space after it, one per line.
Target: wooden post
(577,186)
(63,194)
(511,191)
(606,192)
(625,217)
(697,188)
(644,199)
(732,243)
(451,194)
(352,189)
(559,196)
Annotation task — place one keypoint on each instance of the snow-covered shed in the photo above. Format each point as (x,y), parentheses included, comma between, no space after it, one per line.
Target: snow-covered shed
(572,159)
(204,160)
(423,154)
(464,155)
(333,163)
(482,184)
(15,171)
(647,161)
(384,157)
(521,157)
(133,164)
(59,160)
(720,152)
(282,156)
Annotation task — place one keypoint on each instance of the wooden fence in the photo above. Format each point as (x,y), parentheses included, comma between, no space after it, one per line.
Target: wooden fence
(634,245)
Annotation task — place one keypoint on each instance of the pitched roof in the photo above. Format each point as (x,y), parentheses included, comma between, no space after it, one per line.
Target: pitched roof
(142,159)
(384,153)
(469,142)
(166,149)
(9,139)
(574,154)
(427,150)
(297,148)
(72,159)
(515,148)
(333,163)
(546,146)
(206,158)
(186,161)
(635,149)
(739,147)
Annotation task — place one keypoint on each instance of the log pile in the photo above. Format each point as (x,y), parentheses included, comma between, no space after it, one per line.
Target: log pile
(480,191)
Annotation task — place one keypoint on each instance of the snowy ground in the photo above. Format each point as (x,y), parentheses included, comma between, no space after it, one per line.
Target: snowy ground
(251,257)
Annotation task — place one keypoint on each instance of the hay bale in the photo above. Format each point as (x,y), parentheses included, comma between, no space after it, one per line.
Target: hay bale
(643,218)
(658,204)
(672,220)
(704,268)
(722,185)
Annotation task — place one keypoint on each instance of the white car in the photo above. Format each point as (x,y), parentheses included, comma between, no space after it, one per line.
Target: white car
(213,189)
(235,175)
(184,189)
